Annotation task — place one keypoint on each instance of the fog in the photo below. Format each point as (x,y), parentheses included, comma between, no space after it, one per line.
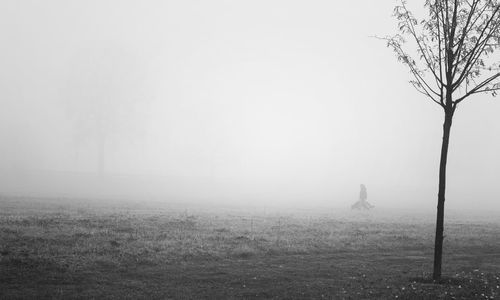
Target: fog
(239,102)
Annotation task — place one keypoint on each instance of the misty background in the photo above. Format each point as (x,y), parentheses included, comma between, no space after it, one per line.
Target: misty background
(262,102)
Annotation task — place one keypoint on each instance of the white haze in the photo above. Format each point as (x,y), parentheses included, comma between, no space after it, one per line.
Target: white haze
(261,102)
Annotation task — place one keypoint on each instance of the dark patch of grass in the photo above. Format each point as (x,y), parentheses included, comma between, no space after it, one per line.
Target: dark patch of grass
(474,284)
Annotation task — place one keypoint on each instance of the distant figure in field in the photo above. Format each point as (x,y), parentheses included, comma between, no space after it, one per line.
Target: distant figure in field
(362,204)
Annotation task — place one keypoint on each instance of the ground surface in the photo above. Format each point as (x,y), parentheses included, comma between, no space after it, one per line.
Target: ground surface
(58,249)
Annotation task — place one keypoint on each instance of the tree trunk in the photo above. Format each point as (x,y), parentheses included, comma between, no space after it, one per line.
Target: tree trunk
(438,246)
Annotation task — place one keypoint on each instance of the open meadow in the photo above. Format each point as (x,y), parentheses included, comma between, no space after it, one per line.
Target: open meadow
(67,249)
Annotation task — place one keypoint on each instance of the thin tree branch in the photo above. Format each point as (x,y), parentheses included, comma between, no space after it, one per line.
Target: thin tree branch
(478,87)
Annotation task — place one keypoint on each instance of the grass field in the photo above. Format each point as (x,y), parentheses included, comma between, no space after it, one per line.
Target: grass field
(61,249)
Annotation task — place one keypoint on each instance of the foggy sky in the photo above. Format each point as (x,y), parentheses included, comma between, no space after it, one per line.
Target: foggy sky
(260,101)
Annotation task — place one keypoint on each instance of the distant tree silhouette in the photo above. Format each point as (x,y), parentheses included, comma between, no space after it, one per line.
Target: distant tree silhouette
(454,46)
(104,98)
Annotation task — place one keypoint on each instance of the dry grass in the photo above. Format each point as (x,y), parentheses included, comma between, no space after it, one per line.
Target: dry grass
(65,250)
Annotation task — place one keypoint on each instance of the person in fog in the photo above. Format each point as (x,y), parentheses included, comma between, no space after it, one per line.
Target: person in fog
(362,204)
(362,192)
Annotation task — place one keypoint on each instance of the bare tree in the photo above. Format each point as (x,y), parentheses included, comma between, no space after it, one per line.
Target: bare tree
(453,60)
